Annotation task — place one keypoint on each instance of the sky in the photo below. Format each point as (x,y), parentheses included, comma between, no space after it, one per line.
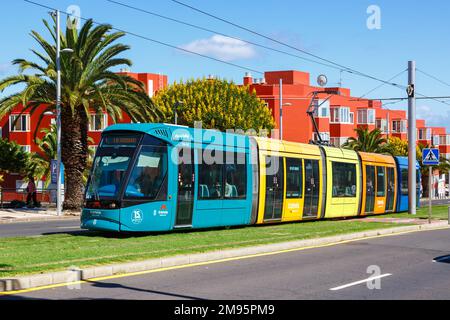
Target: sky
(346,32)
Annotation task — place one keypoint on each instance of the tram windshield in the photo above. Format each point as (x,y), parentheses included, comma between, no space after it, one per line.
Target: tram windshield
(107,176)
(116,159)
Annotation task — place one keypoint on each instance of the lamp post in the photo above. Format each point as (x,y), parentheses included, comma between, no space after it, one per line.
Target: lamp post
(175,110)
(58,112)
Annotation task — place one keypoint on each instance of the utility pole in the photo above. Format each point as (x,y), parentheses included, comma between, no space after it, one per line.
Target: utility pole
(412,184)
(58,114)
(281,108)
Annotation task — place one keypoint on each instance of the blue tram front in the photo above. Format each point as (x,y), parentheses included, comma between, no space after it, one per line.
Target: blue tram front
(150,177)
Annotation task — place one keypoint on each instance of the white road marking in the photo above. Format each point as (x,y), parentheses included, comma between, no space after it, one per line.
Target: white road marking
(360,282)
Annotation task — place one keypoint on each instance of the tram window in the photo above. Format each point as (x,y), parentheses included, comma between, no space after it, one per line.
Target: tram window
(235,176)
(210,180)
(344,180)
(294,178)
(405,179)
(107,176)
(370,180)
(148,175)
(381,181)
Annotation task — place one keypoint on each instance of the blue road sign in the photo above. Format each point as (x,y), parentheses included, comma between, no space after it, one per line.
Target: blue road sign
(430,157)
(53,168)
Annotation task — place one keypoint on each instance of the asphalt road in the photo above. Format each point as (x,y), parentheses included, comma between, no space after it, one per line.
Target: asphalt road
(436,202)
(404,264)
(37,228)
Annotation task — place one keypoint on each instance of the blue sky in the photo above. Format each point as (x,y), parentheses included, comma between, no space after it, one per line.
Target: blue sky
(336,30)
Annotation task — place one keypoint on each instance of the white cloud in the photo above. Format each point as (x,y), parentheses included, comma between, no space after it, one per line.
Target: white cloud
(434,116)
(221,47)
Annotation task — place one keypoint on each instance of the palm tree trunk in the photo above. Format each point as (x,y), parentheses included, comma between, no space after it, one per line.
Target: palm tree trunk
(74,156)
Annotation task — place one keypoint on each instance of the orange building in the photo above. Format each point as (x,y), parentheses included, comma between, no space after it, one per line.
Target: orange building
(338,117)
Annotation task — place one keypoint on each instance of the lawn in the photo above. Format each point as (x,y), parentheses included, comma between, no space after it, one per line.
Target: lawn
(438,213)
(29,255)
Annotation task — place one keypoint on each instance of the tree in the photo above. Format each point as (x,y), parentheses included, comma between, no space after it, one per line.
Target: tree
(88,86)
(219,104)
(14,159)
(48,151)
(366,141)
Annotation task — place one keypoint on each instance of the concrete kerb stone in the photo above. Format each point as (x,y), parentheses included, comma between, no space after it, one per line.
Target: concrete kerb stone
(27,282)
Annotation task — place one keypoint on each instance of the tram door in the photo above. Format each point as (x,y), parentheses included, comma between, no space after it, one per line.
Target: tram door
(370,189)
(390,189)
(185,196)
(274,188)
(312,189)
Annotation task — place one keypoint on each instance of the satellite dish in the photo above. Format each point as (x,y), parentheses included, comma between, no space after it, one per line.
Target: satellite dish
(322,80)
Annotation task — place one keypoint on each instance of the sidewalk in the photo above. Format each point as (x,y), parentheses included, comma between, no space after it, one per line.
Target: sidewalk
(35,214)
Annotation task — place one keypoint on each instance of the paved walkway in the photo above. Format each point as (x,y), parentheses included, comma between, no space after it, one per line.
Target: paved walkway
(37,214)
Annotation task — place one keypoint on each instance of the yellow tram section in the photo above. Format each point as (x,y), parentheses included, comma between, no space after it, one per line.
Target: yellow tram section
(293,160)
(343,183)
(376,171)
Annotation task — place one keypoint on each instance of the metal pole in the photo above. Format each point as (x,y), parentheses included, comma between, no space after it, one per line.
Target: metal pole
(58,114)
(281,109)
(412,184)
(430,194)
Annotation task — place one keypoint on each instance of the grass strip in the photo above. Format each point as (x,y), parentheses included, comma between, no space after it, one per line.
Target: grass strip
(40,254)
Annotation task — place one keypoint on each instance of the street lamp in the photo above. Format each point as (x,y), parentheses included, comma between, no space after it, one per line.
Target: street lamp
(175,110)
(58,111)
(287,104)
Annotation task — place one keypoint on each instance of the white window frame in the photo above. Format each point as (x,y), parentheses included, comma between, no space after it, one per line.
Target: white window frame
(324,135)
(341,115)
(366,116)
(92,123)
(12,118)
(150,88)
(436,140)
(324,110)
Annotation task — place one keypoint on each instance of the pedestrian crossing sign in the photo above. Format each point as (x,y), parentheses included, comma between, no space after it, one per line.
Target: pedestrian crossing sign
(430,157)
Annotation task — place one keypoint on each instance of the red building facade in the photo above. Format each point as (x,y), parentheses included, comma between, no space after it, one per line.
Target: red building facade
(23,132)
(338,117)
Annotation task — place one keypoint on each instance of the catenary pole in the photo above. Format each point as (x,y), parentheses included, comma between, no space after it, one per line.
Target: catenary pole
(281,108)
(412,184)
(58,114)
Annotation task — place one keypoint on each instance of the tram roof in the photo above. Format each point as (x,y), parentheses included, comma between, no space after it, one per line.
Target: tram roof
(175,133)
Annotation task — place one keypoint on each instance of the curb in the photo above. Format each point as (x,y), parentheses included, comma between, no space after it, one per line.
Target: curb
(68,276)
(38,219)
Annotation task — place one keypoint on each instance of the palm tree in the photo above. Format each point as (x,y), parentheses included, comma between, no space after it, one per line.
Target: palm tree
(88,86)
(48,151)
(366,141)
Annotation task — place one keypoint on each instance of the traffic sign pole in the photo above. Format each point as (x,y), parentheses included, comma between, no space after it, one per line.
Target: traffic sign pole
(430,157)
(429,195)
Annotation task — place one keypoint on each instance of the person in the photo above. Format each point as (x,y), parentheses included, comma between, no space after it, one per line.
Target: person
(147,180)
(31,193)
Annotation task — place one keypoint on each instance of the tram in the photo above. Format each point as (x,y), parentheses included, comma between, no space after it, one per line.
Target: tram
(162,177)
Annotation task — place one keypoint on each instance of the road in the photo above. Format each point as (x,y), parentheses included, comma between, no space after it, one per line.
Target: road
(36,228)
(435,202)
(404,263)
